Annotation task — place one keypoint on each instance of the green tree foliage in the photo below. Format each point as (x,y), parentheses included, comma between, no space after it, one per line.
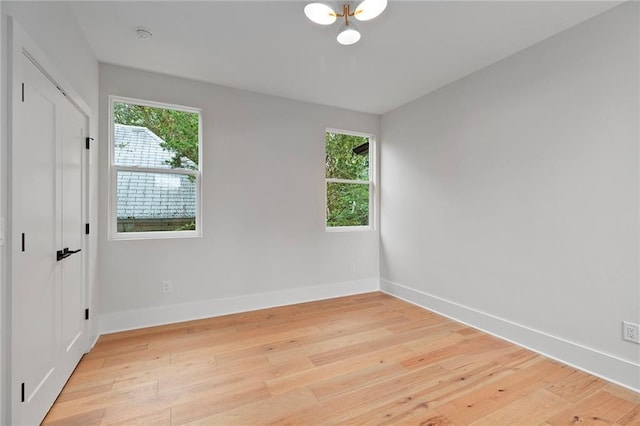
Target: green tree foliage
(347,203)
(341,162)
(178,129)
(190,226)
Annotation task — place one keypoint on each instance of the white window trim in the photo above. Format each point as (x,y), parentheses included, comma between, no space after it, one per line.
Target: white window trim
(370,182)
(114,169)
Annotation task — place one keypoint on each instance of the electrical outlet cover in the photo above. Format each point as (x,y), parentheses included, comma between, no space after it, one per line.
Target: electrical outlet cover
(631,332)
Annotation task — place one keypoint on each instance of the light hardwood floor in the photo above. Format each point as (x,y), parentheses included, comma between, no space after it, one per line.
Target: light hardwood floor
(365,359)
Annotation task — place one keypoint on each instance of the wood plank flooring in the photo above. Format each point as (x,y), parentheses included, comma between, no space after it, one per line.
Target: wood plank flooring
(365,359)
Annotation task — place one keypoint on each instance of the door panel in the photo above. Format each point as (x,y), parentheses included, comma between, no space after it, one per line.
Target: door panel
(73,133)
(36,273)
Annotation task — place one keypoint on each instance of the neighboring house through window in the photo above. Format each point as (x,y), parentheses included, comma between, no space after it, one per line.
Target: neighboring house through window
(155,172)
(349,181)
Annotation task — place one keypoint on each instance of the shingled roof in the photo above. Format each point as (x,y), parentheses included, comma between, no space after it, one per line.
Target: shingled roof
(144,195)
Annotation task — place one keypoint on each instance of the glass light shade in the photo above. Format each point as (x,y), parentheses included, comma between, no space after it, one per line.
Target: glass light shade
(348,34)
(320,13)
(369,9)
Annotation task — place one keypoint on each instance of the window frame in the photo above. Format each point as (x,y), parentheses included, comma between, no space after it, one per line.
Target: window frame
(370,182)
(113,232)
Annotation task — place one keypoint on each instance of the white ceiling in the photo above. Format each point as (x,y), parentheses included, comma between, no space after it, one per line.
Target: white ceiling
(270,47)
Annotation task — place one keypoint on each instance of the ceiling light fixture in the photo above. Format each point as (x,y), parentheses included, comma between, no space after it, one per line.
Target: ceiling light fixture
(324,14)
(348,34)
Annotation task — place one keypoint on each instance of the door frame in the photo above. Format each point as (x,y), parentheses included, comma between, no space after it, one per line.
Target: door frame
(20,43)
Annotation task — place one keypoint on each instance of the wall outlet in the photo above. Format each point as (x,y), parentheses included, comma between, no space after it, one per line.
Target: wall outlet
(631,332)
(352,267)
(166,287)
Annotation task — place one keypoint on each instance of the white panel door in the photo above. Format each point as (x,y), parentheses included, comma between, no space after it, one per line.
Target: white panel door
(73,298)
(48,300)
(36,293)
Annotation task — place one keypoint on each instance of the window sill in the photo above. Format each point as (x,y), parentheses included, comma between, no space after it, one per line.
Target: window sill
(348,228)
(164,235)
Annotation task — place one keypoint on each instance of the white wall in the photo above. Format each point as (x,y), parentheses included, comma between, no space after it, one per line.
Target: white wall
(510,197)
(264,239)
(56,32)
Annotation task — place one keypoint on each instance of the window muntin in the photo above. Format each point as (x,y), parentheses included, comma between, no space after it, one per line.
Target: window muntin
(349,184)
(155,173)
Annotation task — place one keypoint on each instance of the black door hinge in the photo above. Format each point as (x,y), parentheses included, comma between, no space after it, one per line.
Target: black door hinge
(22,92)
(23,241)
(22,393)
(87,141)
(86,314)
(86,228)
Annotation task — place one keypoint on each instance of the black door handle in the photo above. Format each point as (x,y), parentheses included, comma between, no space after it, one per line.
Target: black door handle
(65,252)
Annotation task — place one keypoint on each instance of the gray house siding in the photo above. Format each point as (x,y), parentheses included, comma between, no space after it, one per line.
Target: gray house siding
(146,201)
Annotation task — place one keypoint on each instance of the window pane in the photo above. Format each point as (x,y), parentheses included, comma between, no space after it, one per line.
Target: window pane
(341,160)
(155,202)
(155,137)
(347,204)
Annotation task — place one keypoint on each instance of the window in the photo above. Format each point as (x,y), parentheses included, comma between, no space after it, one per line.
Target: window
(155,170)
(349,183)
